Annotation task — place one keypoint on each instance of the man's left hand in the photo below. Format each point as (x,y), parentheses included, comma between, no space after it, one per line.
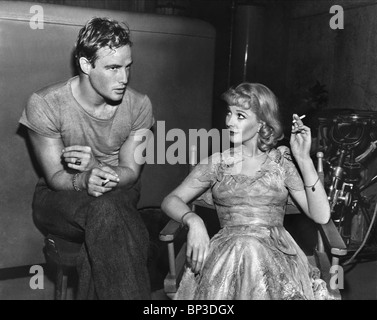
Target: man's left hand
(79,158)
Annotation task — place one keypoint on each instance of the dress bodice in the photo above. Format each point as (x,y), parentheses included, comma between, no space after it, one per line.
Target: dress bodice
(241,199)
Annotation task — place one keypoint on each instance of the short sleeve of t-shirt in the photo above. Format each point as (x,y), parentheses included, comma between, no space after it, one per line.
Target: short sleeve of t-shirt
(143,119)
(39,116)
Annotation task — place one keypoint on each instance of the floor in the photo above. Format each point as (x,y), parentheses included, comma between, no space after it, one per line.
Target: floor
(360,281)
(360,276)
(360,284)
(19,289)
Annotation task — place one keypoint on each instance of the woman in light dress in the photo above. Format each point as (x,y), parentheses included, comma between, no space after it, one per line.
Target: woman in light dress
(252,256)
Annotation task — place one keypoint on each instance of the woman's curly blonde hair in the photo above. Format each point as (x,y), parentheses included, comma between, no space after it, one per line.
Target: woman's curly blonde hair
(262,101)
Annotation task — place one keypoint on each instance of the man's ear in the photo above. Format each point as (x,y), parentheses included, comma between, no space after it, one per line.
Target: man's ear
(85,65)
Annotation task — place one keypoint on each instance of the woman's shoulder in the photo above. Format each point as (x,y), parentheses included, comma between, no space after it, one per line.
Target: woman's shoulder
(212,159)
(221,156)
(285,152)
(280,154)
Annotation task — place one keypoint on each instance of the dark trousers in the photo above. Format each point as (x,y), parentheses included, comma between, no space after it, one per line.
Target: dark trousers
(112,263)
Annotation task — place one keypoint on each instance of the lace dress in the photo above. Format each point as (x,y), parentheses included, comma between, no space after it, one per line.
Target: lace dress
(252,256)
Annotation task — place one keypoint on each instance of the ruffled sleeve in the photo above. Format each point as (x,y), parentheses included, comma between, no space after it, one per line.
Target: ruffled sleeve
(204,176)
(292,180)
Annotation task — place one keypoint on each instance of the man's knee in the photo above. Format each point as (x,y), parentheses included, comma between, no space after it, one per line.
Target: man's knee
(112,212)
(103,211)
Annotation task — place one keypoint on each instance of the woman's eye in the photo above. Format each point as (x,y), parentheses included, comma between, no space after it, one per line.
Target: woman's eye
(241,116)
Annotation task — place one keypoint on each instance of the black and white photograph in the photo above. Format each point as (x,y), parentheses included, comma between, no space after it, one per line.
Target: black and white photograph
(186,154)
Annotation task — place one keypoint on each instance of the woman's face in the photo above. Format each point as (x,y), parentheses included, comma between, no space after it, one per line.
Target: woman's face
(242,124)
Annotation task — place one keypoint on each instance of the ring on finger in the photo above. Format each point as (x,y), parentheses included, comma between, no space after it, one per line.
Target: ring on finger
(78,162)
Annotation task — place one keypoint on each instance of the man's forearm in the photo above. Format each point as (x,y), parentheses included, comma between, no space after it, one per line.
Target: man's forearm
(61,180)
(126,175)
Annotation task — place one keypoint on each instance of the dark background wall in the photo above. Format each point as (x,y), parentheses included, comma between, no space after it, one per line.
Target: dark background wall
(218,13)
(291,45)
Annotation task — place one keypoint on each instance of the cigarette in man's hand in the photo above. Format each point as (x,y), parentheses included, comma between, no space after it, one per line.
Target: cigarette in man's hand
(104,183)
(302,117)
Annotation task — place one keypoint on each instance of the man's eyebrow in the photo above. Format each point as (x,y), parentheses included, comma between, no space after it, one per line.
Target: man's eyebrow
(113,65)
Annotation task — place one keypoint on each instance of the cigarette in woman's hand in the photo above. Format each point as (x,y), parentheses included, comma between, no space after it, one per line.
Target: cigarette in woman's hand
(302,117)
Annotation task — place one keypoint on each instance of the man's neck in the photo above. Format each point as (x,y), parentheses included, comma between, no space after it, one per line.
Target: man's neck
(85,94)
(90,101)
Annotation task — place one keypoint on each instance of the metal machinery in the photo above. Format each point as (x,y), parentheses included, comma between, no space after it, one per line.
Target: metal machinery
(348,141)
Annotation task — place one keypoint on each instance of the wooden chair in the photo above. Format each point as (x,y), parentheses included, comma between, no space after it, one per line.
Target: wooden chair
(62,255)
(330,246)
(329,249)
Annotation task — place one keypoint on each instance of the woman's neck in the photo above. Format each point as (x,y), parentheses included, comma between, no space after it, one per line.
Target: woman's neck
(250,149)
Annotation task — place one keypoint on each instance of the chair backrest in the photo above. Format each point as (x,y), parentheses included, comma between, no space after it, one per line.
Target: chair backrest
(173,64)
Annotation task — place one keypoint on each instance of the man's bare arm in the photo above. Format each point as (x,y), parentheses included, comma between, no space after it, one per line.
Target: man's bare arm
(59,176)
(48,153)
(128,169)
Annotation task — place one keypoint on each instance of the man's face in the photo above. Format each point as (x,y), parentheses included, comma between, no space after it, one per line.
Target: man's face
(109,76)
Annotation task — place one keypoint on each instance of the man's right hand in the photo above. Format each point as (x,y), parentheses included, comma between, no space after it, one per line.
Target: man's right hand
(98,181)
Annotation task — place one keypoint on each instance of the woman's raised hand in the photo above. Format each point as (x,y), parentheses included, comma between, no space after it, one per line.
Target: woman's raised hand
(301,139)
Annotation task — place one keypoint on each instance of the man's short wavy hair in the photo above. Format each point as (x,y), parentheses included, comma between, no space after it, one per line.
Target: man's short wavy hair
(100,33)
(262,101)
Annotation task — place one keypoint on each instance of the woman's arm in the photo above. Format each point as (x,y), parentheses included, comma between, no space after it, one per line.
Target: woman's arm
(175,206)
(313,200)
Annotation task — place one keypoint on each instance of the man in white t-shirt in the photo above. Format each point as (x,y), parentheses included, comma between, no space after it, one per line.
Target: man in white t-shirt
(83,133)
